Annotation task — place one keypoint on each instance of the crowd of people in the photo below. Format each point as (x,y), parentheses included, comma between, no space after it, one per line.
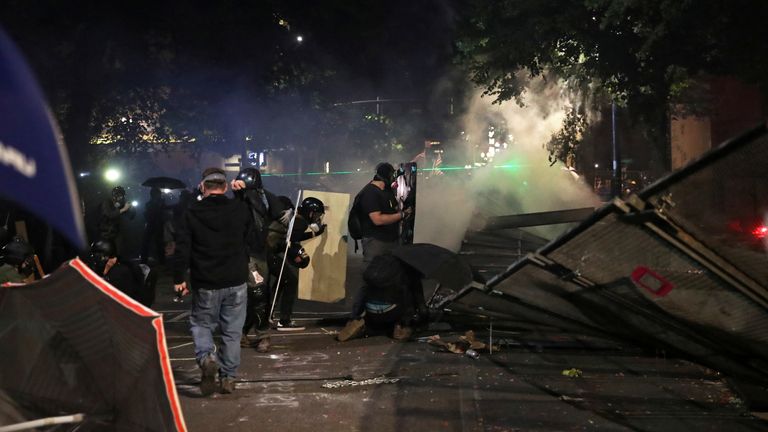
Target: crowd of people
(240,257)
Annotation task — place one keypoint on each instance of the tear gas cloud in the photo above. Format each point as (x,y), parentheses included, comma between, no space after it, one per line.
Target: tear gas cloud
(519,179)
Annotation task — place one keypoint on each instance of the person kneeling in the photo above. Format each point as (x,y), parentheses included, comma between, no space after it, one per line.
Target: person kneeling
(389,300)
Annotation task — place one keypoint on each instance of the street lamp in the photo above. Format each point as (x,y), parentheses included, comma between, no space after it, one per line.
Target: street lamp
(112,175)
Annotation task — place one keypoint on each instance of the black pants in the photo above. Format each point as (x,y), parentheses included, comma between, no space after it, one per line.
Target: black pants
(259,295)
(152,244)
(371,248)
(288,291)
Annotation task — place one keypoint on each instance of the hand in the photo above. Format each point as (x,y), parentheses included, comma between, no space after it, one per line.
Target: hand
(286,216)
(238,184)
(317,229)
(125,208)
(181,289)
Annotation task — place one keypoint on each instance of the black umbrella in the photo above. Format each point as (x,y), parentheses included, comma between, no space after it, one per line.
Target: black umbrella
(164,183)
(437,263)
(71,343)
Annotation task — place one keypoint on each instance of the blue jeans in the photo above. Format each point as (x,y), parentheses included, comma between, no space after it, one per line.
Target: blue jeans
(225,308)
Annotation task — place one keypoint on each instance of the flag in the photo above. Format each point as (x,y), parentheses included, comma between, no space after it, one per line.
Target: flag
(34,165)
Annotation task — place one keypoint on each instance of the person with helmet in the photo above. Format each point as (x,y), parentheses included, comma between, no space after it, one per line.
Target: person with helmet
(265,208)
(127,277)
(111,213)
(377,210)
(307,224)
(16,261)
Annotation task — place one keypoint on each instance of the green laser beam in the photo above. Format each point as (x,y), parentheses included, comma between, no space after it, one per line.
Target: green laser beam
(510,166)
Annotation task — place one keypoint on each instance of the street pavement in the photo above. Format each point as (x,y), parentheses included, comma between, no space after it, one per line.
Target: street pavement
(311,382)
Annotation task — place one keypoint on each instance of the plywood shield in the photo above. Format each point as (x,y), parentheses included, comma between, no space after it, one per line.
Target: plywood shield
(323,280)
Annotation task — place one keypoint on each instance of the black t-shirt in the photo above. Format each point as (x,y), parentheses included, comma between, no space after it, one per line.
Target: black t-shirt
(373,199)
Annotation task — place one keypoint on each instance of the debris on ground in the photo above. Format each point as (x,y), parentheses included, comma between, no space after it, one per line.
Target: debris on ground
(355,383)
(464,343)
(573,373)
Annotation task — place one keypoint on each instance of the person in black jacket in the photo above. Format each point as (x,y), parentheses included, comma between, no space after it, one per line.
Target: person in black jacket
(111,213)
(154,215)
(380,221)
(307,224)
(128,277)
(264,208)
(211,242)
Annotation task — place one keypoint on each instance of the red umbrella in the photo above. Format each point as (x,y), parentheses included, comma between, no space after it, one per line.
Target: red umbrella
(72,343)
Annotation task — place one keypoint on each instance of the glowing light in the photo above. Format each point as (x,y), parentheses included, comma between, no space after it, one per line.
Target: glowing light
(299,38)
(760,232)
(166,191)
(84,174)
(112,175)
(597,165)
(135,203)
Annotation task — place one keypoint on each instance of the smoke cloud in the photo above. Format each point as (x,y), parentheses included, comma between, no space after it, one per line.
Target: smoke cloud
(518,180)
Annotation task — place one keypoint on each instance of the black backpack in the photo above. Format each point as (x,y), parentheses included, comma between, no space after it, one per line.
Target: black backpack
(354,224)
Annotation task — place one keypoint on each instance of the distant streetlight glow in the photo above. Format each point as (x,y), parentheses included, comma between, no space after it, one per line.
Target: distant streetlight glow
(299,38)
(166,191)
(112,175)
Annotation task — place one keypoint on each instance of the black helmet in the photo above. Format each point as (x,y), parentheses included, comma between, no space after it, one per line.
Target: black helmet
(118,192)
(16,252)
(285,202)
(101,251)
(251,177)
(118,196)
(312,209)
(385,172)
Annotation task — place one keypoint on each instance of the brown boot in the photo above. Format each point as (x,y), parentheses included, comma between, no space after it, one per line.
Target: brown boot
(353,329)
(244,342)
(264,344)
(401,333)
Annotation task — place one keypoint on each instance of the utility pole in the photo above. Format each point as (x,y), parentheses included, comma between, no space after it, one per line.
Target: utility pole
(616,183)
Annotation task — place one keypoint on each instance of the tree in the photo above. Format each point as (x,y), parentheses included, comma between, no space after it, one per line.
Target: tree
(645,55)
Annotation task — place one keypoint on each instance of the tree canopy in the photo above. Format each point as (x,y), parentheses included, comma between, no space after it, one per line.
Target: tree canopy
(144,74)
(638,51)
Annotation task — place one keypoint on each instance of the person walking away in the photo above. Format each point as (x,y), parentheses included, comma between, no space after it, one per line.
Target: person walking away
(211,243)
(379,219)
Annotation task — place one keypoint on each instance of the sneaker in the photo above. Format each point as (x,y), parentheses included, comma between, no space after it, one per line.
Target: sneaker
(227,385)
(289,326)
(401,333)
(353,329)
(264,344)
(208,381)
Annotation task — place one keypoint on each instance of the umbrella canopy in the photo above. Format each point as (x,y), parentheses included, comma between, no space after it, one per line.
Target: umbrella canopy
(72,343)
(437,263)
(164,183)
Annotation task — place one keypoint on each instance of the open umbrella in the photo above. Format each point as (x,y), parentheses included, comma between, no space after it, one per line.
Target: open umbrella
(73,344)
(164,183)
(437,263)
